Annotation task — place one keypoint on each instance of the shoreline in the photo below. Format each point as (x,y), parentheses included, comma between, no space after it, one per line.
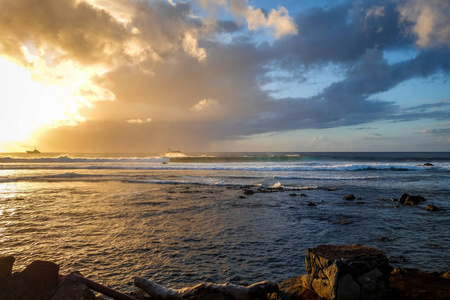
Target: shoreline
(41,281)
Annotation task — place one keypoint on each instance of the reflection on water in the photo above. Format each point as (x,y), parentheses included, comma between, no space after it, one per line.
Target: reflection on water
(183,234)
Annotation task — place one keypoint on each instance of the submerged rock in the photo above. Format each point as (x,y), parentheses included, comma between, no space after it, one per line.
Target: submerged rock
(248,192)
(349,197)
(431,208)
(411,200)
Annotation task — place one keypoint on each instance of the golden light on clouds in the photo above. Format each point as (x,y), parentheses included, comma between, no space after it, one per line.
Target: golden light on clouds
(32,101)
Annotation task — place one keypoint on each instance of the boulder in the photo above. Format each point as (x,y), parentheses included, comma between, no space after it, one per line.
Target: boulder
(293,289)
(6,264)
(414,200)
(415,284)
(347,272)
(37,282)
(428,165)
(248,192)
(349,197)
(431,208)
(411,200)
(73,289)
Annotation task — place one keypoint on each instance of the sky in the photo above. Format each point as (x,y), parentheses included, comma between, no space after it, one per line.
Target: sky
(224,75)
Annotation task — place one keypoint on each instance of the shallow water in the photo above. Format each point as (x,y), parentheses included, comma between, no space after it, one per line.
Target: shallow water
(182,223)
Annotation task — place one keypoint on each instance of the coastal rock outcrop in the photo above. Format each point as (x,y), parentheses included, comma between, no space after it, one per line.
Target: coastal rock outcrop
(38,281)
(6,264)
(347,272)
(72,289)
(413,284)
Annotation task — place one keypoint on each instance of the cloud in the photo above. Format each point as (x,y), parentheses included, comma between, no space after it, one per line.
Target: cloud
(139,121)
(430,22)
(163,68)
(205,104)
(277,20)
(190,46)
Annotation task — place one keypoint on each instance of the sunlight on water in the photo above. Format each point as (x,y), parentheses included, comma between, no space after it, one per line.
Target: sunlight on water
(121,218)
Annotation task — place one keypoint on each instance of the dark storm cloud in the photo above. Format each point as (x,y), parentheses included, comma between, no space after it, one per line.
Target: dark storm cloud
(342,33)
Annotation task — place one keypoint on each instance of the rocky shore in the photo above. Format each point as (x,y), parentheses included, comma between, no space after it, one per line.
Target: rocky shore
(332,272)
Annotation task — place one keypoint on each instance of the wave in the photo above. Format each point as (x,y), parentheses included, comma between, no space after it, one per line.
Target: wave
(238,159)
(266,167)
(68,159)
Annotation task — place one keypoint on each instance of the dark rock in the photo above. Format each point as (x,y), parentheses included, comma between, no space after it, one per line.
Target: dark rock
(293,289)
(293,194)
(411,200)
(241,197)
(347,272)
(349,197)
(431,208)
(248,192)
(415,284)
(311,204)
(6,264)
(403,198)
(428,165)
(303,195)
(73,289)
(394,199)
(446,274)
(37,282)
(414,200)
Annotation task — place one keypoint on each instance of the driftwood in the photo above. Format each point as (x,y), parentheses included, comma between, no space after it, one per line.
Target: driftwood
(238,292)
(101,288)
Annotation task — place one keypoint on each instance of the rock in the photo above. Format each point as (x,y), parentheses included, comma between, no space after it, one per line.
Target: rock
(72,289)
(394,199)
(293,194)
(347,272)
(349,197)
(431,208)
(303,195)
(294,289)
(411,200)
(446,274)
(428,165)
(6,264)
(415,284)
(37,282)
(414,200)
(248,192)
(311,204)
(403,198)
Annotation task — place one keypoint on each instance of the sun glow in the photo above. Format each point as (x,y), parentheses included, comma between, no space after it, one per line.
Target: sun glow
(28,105)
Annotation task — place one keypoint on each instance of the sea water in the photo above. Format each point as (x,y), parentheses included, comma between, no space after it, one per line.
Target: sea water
(183,220)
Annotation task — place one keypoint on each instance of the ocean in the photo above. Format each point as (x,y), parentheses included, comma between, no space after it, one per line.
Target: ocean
(185,219)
